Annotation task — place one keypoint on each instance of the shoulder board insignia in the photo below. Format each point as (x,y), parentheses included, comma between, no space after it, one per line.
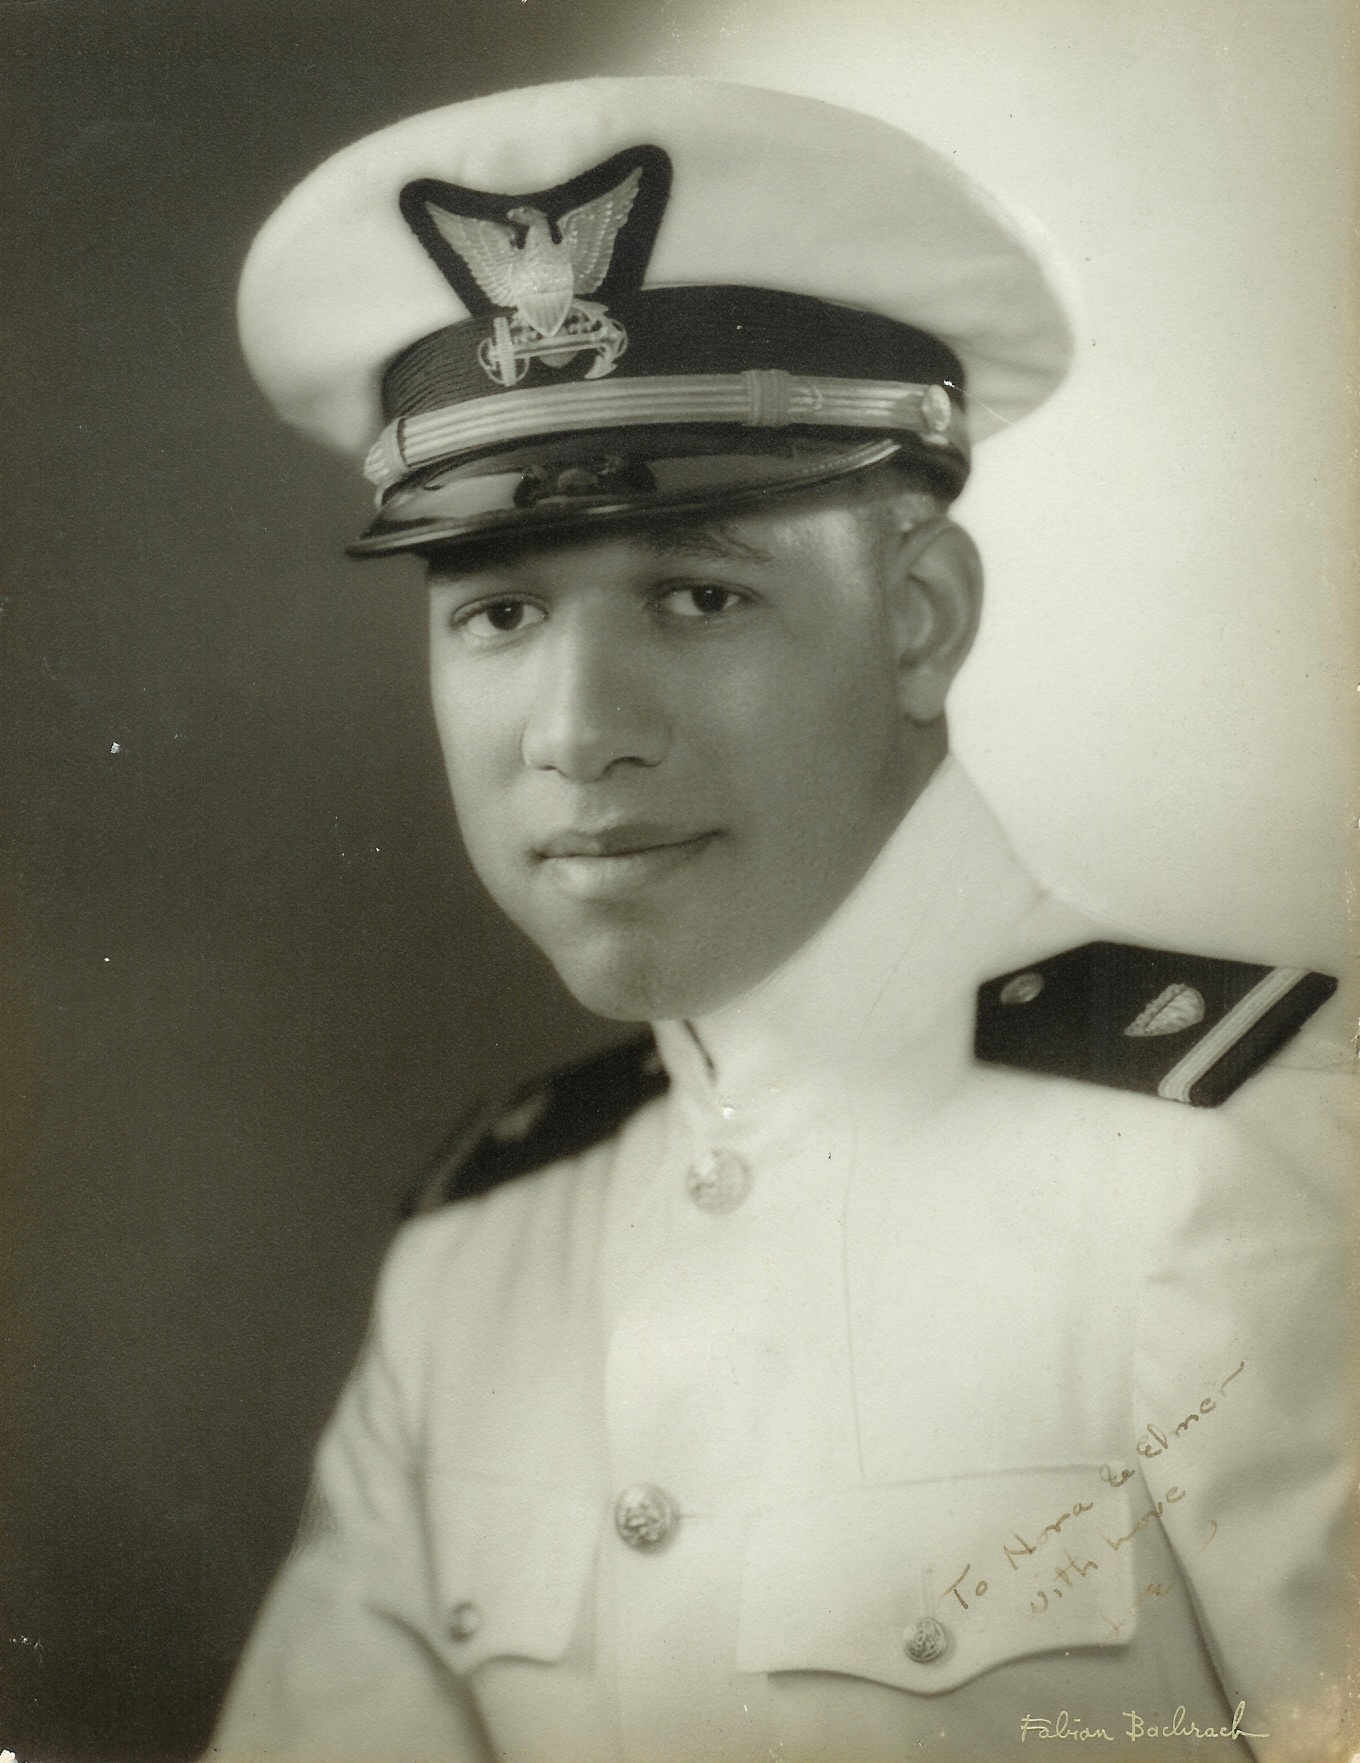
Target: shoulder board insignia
(546,1120)
(1190,1028)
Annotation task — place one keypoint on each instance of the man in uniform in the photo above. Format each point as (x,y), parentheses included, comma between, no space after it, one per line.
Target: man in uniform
(928,1340)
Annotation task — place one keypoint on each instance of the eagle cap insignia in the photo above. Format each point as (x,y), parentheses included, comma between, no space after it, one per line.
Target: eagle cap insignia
(529,260)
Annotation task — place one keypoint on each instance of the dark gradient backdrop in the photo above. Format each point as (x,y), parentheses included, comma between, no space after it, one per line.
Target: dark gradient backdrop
(250,978)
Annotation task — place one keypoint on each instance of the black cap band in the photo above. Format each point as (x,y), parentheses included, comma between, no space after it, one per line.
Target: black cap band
(683,331)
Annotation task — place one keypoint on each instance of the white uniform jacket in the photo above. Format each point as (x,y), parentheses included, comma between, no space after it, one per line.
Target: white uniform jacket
(985,1408)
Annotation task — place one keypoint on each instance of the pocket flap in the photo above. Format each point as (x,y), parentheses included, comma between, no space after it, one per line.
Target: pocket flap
(510,1568)
(968,1572)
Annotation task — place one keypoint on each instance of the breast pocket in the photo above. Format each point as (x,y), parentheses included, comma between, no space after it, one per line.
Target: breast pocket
(510,1565)
(924,1585)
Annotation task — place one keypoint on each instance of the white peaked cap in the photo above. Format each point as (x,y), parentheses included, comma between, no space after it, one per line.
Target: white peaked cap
(769,192)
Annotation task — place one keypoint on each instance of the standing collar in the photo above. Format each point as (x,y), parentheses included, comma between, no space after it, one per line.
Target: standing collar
(923,926)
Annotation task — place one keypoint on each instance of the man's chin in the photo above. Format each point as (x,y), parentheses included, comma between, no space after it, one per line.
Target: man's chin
(632,983)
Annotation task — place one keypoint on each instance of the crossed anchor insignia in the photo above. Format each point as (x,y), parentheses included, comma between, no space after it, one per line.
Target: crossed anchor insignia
(539,270)
(514,342)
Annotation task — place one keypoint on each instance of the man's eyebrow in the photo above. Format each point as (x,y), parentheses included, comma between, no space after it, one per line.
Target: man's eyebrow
(711,542)
(716,543)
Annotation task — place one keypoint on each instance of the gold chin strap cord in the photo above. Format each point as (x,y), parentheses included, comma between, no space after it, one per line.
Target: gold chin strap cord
(767,398)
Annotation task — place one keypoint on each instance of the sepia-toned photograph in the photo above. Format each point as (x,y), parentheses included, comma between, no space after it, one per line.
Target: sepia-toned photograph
(679,691)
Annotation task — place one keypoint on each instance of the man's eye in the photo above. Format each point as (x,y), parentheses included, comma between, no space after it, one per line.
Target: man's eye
(700,600)
(497,618)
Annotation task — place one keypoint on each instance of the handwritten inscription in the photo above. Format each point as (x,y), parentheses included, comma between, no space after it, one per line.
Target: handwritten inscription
(1071,1570)
(1062,1726)
(1022,1548)
(1153,1589)
(1018,1550)
(1181,1727)
(1053,1528)
(1072,1727)
(1155,1510)
(1154,1442)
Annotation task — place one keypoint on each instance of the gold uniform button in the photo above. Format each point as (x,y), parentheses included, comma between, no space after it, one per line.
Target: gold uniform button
(926,1640)
(718,1182)
(464,1620)
(645,1516)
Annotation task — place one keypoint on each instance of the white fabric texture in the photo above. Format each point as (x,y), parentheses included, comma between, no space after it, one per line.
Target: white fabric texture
(1061,1367)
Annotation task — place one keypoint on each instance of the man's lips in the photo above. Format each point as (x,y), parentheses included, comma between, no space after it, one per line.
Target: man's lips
(624,839)
(616,860)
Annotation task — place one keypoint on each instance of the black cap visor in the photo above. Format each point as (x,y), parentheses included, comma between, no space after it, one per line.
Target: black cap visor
(604,479)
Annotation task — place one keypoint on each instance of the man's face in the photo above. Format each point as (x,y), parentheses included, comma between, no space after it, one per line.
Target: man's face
(673,753)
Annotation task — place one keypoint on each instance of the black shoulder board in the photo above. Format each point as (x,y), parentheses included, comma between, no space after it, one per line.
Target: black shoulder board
(1186,1027)
(548,1119)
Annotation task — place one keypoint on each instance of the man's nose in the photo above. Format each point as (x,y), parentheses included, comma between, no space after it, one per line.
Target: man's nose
(594,705)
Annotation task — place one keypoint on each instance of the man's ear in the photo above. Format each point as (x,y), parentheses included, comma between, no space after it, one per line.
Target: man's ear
(933,595)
